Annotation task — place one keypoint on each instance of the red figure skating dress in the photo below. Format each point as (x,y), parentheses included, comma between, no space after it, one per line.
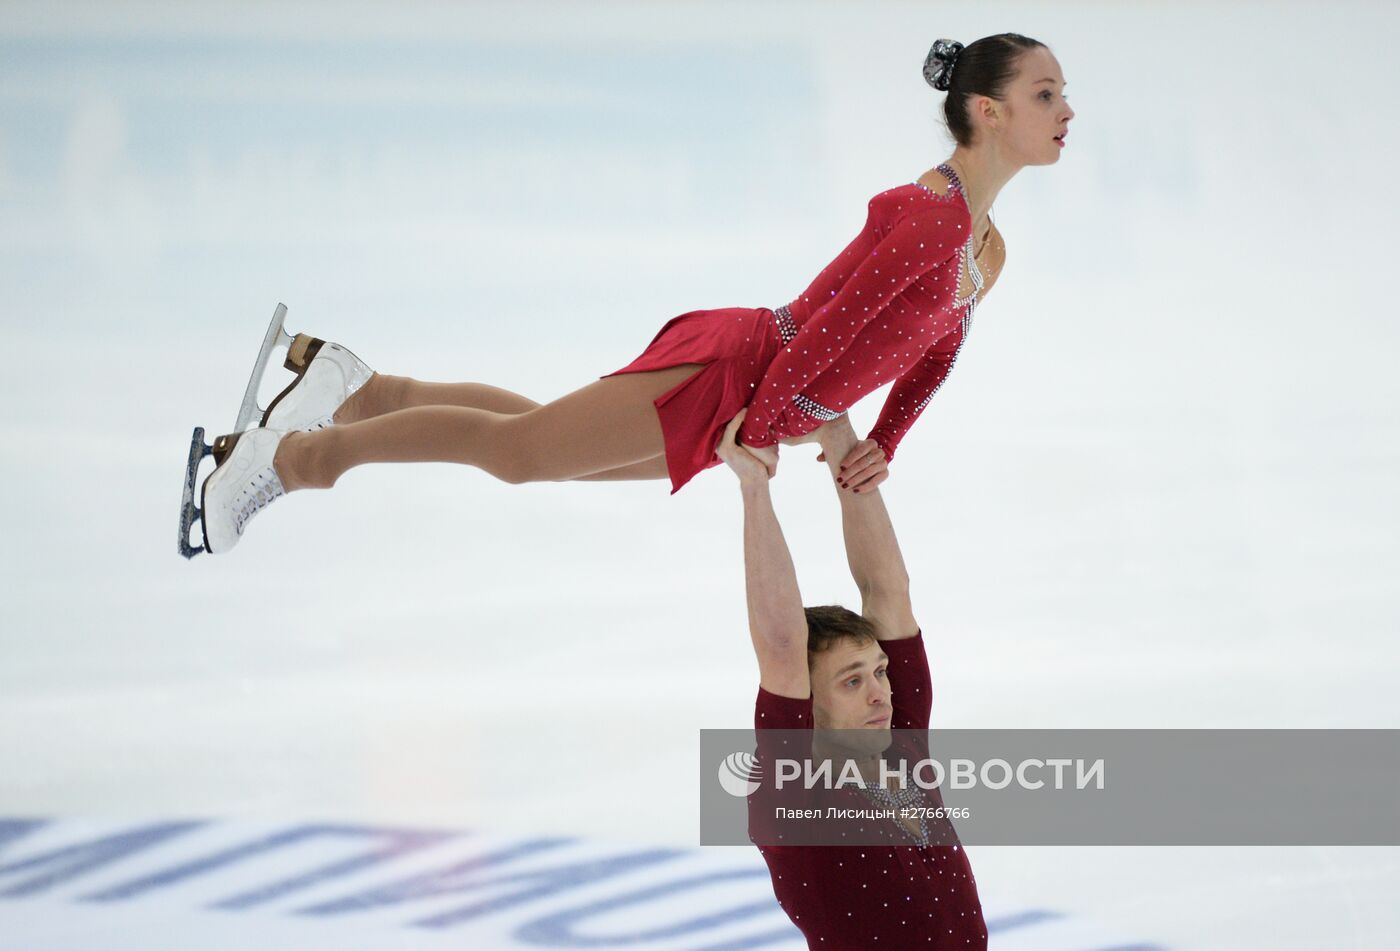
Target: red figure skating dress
(885,309)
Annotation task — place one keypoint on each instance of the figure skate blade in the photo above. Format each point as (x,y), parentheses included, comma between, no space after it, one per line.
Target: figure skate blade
(188,513)
(274,338)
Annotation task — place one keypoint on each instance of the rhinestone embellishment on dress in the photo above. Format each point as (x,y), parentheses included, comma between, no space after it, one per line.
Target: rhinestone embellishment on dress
(813,408)
(968,258)
(787,327)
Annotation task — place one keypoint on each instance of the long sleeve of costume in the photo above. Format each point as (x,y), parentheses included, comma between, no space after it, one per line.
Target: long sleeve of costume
(911,682)
(912,392)
(916,243)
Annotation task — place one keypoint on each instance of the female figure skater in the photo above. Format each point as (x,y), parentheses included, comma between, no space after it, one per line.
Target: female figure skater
(895,305)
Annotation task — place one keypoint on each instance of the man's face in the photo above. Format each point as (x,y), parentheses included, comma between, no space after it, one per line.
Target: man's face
(850,687)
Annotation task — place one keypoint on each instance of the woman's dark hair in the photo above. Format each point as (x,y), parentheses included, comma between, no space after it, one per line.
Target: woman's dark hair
(982,68)
(830,623)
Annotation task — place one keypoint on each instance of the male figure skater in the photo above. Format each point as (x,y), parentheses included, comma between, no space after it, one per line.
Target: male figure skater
(829,668)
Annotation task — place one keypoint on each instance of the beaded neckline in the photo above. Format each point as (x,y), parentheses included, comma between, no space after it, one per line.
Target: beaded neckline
(953,181)
(967,251)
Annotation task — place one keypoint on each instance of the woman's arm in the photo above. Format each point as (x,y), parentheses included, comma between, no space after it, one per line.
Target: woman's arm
(913,391)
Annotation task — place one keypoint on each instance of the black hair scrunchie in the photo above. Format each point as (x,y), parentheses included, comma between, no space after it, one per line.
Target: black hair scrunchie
(938,65)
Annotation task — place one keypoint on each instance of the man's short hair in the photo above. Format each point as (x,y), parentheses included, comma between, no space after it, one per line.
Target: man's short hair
(830,623)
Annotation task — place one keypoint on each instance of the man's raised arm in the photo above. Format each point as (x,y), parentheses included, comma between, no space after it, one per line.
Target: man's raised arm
(777,623)
(871,547)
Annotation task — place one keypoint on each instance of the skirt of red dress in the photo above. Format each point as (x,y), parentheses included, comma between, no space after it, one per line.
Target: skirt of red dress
(736,344)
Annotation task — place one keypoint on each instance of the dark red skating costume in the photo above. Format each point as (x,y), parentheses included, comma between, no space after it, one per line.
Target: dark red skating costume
(920,894)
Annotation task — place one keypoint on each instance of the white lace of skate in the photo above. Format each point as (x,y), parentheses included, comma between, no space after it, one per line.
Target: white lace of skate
(256,497)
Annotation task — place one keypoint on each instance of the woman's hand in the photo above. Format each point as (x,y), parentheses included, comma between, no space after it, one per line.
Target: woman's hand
(748,464)
(864,467)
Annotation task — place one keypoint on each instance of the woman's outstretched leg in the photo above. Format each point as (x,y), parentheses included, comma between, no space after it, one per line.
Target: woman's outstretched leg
(653,468)
(608,424)
(384,393)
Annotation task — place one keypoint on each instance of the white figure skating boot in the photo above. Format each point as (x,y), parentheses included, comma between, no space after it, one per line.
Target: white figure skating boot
(242,484)
(327,375)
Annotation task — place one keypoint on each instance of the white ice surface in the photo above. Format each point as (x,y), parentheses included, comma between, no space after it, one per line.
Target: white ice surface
(1158,490)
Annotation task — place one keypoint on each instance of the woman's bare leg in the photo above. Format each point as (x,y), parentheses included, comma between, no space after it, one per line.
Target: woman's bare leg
(609,424)
(653,468)
(383,393)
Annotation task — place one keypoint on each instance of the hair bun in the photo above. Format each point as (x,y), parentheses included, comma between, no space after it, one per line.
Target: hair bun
(938,65)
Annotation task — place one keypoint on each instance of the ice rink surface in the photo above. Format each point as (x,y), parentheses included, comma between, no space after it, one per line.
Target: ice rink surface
(432,709)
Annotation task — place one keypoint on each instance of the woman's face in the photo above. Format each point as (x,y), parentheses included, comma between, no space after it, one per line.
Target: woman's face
(1034,110)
